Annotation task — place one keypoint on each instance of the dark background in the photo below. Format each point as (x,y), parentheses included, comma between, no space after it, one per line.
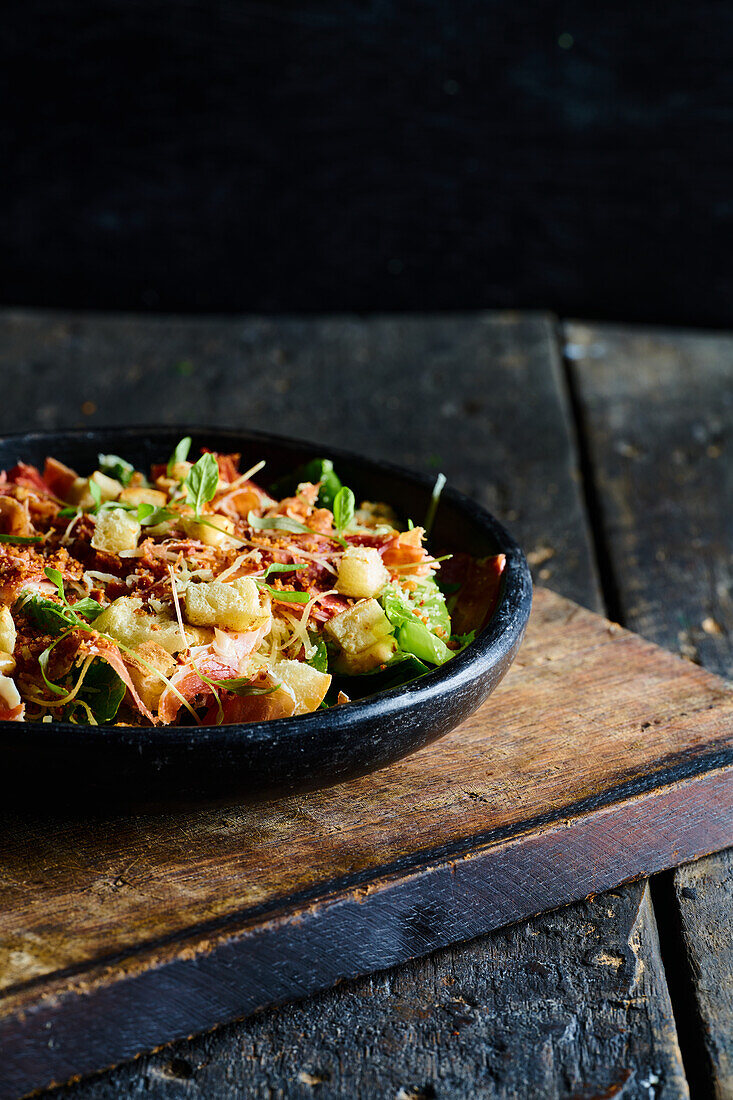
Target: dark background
(336,155)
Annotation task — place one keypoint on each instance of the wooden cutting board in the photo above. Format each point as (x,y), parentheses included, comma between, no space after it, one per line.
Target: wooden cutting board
(600,758)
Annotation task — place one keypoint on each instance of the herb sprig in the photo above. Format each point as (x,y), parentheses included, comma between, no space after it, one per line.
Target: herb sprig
(180,454)
(21,540)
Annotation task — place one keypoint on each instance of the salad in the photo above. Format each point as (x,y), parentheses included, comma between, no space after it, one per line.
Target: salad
(189,594)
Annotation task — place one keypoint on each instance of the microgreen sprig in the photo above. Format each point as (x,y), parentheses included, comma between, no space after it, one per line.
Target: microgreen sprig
(202,482)
(21,540)
(343,509)
(180,453)
(116,467)
(278,567)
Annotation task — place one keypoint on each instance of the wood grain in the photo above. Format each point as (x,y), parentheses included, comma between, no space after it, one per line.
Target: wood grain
(483,396)
(583,987)
(596,763)
(658,406)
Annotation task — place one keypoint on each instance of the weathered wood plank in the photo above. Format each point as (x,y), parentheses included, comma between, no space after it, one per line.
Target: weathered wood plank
(659,410)
(552,1008)
(483,397)
(594,730)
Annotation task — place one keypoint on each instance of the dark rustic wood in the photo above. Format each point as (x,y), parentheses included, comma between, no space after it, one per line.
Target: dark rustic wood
(596,763)
(554,1007)
(343,155)
(658,407)
(487,390)
(704,892)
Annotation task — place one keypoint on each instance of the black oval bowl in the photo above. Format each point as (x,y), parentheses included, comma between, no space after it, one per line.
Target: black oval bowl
(144,765)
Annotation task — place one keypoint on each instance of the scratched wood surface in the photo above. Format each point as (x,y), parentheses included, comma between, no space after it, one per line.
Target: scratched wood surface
(658,406)
(483,397)
(586,708)
(595,763)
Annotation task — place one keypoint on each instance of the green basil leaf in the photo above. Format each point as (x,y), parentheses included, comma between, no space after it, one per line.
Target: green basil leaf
(202,482)
(285,596)
(277,523)
(343,508)
(55,578)
(87,608)
(46,615)
(180,454)
(21,540)
(96,493)
(277,567)
(102,690)
(149,516)
(116,467)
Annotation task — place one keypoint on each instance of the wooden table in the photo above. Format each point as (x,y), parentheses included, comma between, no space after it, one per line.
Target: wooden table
(607,450)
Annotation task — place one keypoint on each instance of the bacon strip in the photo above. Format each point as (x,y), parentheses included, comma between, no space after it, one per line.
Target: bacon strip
(109,652)
(216,662)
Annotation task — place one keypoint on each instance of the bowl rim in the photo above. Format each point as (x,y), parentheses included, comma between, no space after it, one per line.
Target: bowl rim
(491,645)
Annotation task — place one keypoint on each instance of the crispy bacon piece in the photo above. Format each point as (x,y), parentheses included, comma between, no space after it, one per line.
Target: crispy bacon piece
(28,477)
(252,708)
(228,466)
(328,606)
(480,581)
(302,509)
(14,518)
(406,549)
(58,477)
(217,661)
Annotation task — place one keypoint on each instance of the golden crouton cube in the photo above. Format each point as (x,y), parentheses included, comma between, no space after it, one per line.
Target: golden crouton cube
(115,530)
(80,493)
(364,634)
(360,627)
(148,684)
(214,531)
(236,606)
(307,684)
(129,623)
(140,494)
(8,632)
(361,572)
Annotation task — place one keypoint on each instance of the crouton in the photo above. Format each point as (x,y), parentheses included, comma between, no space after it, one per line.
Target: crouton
(364,634)
(361,572)
(235,606)
(307,684)
(148,684)
(128,622)
(115,530)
